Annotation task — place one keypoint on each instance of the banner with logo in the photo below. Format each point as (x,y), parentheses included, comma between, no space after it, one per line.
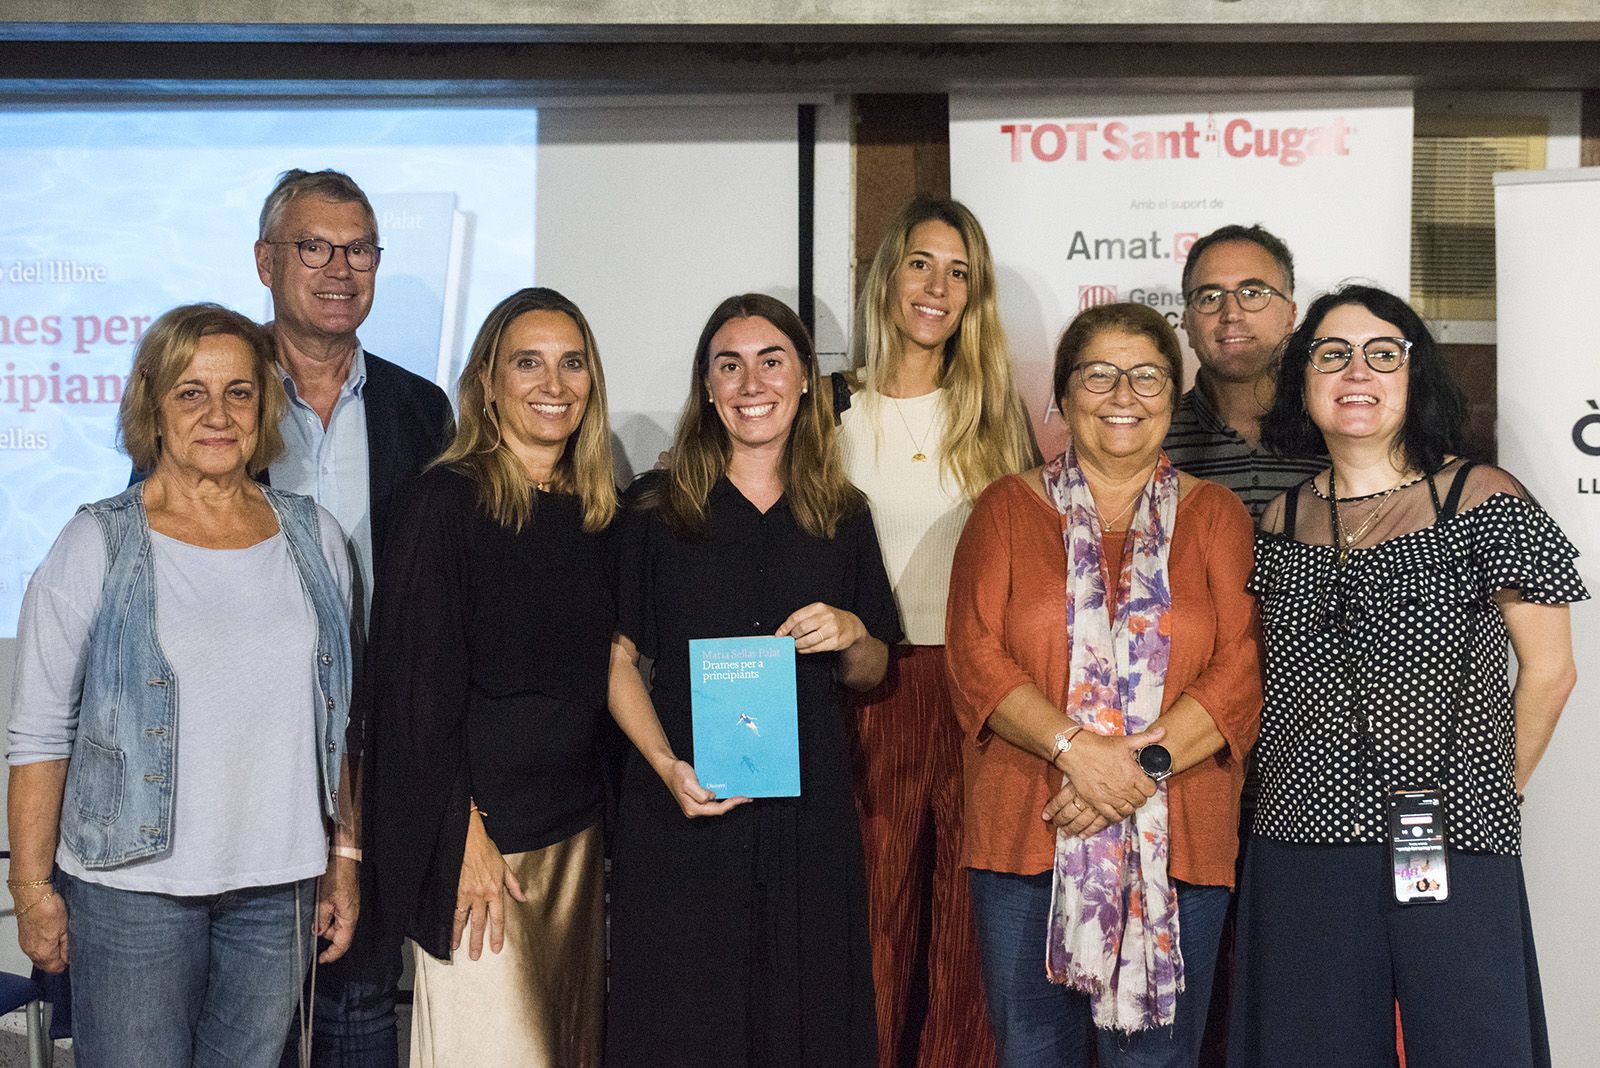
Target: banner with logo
(1548,356)
(1088,200)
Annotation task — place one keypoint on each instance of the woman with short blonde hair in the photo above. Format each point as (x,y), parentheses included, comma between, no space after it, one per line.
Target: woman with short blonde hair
(165,352)
(178,801)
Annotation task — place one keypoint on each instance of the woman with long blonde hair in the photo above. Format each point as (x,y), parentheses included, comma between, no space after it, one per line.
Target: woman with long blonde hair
(491,627)
(738,926)
(935,419)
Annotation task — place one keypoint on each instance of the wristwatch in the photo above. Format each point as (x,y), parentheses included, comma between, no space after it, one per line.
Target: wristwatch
(1154,761)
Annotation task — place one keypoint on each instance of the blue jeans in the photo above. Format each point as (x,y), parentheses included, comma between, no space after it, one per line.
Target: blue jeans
(354,1009)
(199,981)
(1040,1024)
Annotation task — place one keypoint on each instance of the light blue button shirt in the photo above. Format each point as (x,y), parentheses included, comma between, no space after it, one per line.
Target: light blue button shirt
(330,466)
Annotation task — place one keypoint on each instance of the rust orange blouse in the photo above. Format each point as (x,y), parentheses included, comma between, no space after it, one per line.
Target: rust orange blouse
(1006,627)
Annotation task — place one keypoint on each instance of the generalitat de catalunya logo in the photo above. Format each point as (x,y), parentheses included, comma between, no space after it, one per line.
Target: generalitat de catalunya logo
(1094,296)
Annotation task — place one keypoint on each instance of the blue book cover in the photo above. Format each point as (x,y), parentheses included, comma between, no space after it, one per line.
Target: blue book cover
(746,726)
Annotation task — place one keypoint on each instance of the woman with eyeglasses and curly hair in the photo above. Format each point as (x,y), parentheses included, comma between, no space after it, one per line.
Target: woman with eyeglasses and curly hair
(1384,861)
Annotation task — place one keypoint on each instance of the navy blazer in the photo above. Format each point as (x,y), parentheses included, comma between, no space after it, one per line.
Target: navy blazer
(409,422)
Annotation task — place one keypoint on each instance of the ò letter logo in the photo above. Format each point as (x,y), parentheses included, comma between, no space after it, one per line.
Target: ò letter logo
(1581,429)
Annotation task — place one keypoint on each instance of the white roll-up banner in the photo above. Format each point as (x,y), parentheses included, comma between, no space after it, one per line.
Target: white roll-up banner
(1547,266)
(1091,199)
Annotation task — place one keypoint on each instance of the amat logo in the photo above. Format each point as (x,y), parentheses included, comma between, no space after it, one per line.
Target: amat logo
(1093,296)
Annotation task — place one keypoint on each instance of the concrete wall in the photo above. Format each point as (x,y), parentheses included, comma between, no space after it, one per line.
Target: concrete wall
(1013,19)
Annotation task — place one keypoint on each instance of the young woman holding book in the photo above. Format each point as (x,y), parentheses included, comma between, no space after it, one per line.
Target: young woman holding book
(739,931)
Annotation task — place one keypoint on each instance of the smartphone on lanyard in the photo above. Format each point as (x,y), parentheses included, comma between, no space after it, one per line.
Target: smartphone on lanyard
(1417,853)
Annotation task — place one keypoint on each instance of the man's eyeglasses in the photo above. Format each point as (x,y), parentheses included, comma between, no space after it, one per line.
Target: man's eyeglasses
(316,253)
(1147,379)
(1208,300)
(1384,355)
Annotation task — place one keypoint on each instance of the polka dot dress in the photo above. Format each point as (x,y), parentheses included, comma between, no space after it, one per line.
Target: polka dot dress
(1369,663)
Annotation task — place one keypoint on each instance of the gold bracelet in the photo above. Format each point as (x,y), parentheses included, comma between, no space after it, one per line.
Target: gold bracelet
(349,852)
(13,884)
(30,907)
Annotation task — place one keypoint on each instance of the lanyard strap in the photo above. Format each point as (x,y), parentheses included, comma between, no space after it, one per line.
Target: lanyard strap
(1341,616)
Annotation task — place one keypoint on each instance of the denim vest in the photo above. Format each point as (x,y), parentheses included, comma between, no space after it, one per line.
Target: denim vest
(118,803)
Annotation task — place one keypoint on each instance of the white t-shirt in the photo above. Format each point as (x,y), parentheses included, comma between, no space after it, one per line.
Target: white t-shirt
(241,635)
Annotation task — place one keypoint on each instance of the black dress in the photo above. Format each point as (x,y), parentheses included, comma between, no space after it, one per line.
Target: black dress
(741,939)
(487,667)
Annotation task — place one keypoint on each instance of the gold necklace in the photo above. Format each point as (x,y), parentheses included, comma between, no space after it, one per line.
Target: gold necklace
(1349,539)
(1107,526)
(919,456)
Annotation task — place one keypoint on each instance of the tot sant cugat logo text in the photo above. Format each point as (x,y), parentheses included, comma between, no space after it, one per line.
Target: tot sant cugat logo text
(1231,138)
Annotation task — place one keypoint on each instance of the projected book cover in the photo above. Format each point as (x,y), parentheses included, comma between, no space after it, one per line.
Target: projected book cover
(110,215)
(424,237)
(746,728)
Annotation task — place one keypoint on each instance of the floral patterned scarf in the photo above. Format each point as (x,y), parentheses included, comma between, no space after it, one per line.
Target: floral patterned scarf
(1113,911)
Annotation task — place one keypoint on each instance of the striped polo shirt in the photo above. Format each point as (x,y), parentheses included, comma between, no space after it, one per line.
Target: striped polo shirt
(1201,444)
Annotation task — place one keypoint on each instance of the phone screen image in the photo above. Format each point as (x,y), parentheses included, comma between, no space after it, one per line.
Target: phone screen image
(1417,853)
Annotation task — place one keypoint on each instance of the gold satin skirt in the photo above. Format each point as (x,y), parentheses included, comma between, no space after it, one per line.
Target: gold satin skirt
(540,1001)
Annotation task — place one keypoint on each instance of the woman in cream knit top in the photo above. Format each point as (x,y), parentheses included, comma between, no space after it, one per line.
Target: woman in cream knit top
(934,419)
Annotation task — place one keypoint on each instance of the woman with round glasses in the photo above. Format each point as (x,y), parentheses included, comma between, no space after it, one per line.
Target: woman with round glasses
(1105,660)
(1390,585)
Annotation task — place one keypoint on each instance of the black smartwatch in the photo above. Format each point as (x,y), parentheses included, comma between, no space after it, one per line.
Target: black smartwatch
(1154,761)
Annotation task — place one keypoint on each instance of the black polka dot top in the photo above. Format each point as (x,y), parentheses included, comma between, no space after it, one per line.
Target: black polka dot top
(1389,670)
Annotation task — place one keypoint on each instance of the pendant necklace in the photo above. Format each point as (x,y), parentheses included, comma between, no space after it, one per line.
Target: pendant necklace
(919,456)
(1107,526)
(1347,540)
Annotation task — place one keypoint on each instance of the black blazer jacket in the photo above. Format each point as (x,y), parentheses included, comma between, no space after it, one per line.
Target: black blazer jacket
(409,422)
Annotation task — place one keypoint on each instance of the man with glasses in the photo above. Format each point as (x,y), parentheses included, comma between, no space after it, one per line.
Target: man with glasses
(357,427)
(1238,286)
